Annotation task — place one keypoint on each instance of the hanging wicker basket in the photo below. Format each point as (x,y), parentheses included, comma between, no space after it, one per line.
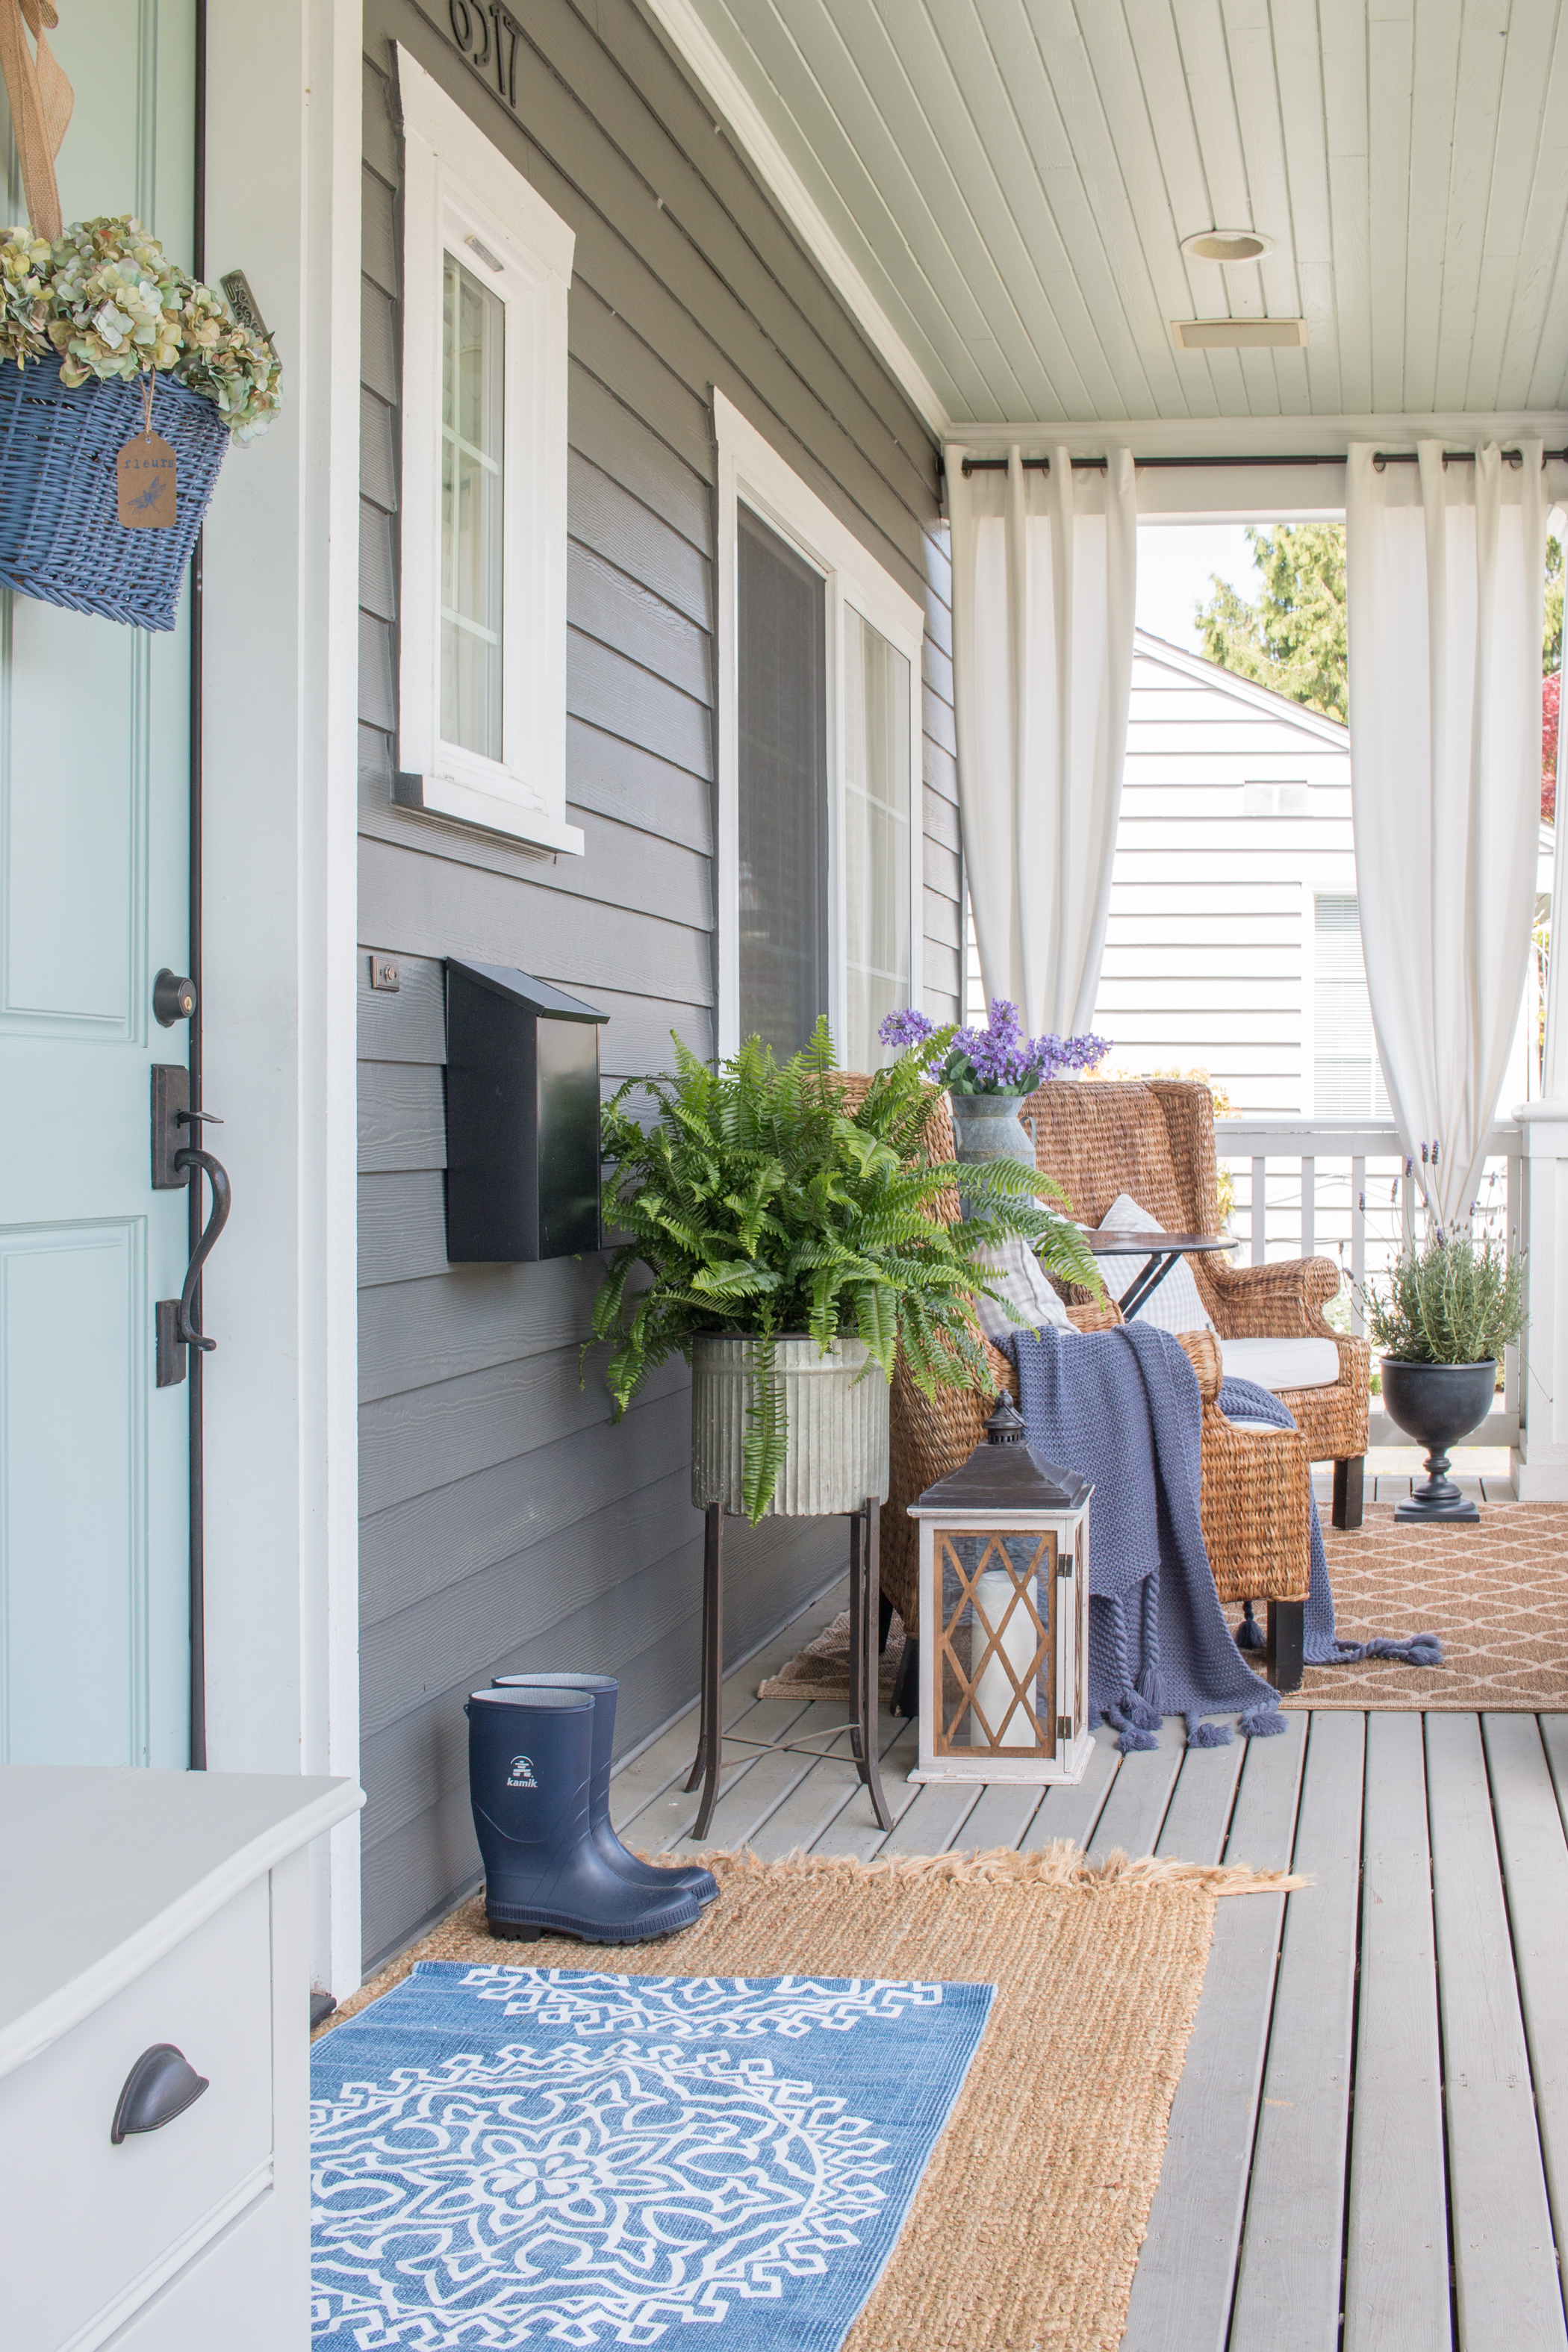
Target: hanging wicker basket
(60,534)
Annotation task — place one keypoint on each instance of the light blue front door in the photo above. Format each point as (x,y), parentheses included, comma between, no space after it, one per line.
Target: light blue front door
(94,836)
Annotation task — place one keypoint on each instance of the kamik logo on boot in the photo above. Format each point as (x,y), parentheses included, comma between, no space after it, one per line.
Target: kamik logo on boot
(521,1775)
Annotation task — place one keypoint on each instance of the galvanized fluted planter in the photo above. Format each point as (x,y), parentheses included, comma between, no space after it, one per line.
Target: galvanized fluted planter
(838,1425)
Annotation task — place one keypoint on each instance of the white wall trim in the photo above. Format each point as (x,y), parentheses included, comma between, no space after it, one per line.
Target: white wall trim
(281,687)
(750,469)
(701,53)
(458,188)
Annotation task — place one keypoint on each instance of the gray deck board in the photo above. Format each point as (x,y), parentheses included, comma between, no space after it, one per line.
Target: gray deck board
(853,1830)
(1535,1877)
(1555,1739)
(1182,2288)
(1505,2269)
(675,1812)
(1073,1813)
(1287,2282)
(1139,1795)
(1198,1814)
(1396,2247)
(808,1812)
(660,1767)
(934,1820)
(1001,1818)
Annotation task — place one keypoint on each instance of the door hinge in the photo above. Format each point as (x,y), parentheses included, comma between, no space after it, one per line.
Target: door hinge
(1064,1727)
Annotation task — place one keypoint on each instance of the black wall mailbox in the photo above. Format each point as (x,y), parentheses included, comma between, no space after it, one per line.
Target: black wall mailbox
(523,1118)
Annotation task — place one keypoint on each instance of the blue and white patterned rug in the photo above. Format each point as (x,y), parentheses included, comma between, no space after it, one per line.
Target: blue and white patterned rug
(511,2156)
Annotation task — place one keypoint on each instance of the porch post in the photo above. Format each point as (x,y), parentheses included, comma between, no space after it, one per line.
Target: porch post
(280,713)
(1541,1458)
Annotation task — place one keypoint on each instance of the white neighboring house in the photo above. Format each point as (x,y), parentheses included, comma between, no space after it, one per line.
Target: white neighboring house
(1234,944)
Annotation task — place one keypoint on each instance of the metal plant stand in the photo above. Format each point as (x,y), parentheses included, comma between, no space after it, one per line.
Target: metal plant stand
(865,1538)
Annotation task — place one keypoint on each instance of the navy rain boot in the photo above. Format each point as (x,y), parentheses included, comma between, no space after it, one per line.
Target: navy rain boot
(530,1773)
(603,1689)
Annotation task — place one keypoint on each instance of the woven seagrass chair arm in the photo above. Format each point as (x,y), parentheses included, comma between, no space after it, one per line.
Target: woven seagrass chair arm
(1086,1314)
(1202,1351)
(1271,1302)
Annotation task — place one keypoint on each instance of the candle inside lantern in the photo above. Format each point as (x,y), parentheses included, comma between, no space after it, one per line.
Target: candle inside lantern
(995,1695)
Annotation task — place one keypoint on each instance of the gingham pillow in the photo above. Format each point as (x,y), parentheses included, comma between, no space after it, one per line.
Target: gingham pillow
(1027,1297)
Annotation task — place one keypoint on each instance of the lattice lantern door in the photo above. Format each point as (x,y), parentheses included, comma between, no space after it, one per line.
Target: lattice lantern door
(1004,1615)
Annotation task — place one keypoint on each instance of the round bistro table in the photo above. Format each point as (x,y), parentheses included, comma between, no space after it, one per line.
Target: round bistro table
(1160,1250)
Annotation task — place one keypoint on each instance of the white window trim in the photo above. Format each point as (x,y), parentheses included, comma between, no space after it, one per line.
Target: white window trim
(752,473)
(456,185)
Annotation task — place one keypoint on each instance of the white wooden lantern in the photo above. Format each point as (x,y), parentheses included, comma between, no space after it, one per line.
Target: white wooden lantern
(1004,1615)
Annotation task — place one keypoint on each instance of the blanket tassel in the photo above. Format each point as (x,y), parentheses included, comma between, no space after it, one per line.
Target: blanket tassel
(1249,1633)
(1208,1735)
(1420,1650)
(1263,1721)
(1136,1722)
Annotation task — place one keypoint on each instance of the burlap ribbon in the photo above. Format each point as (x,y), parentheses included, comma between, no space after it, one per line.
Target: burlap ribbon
(41,101)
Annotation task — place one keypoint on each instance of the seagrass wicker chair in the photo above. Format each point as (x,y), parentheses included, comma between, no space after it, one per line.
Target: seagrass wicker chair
(1154,1139)
(1254,1500)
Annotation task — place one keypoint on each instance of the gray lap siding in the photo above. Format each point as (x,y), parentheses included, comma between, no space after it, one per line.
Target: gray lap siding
(505,1523)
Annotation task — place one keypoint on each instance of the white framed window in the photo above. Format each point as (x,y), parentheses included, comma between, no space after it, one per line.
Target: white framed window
(820,887)
(482,609)
(1347,1076)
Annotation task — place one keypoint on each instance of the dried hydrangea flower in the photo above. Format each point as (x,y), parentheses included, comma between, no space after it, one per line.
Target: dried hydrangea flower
(114,305)
(24,296)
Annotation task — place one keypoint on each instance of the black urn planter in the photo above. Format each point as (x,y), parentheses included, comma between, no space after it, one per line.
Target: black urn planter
(1436,1404)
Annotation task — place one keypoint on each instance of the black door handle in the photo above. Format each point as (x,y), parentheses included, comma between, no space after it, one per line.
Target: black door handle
(175,1324)
(185,1330)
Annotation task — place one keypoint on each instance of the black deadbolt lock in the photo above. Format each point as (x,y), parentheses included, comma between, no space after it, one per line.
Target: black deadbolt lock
(174,998)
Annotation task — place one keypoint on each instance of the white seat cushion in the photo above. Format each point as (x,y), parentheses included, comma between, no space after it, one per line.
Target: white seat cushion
(1258,1428)
(1279,1364)
(1175,1304)
(1027,1298)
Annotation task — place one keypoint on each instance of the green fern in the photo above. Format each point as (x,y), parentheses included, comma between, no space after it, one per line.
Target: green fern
(760,1206)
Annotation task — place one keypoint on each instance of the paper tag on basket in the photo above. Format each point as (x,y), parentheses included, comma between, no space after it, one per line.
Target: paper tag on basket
(146,474)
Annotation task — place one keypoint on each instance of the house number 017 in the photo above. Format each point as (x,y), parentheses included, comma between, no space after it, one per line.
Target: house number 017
(487,35)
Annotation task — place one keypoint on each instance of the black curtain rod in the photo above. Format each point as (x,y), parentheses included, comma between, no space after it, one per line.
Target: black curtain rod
(1381,458)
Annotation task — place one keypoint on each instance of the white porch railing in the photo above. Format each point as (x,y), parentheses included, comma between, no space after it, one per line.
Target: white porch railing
(1339,1189)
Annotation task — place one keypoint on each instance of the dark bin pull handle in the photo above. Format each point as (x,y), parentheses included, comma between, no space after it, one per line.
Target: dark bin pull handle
(161,2085)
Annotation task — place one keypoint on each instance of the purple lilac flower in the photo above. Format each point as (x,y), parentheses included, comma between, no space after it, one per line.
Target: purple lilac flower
(906,1028)
(999,1058)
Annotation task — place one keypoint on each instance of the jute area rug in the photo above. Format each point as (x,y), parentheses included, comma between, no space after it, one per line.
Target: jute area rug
(1495,1595)
(1025,2232)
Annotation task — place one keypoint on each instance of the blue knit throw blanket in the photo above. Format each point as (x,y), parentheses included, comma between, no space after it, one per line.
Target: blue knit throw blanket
(1123,1409)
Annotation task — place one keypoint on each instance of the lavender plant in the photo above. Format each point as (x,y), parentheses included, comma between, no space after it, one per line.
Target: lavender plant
(996,1060)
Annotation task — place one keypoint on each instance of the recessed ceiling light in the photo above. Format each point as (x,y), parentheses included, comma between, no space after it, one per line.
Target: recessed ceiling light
(1239,334)
(1227,245)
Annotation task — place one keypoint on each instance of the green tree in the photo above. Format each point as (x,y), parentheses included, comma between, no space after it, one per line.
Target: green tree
(1551,635)
(1291,637)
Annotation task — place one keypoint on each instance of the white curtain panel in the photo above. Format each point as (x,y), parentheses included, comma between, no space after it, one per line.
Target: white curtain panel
(1444,569)
(1044,570)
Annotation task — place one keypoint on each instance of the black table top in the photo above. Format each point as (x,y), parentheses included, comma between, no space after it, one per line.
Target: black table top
(1121,1244)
